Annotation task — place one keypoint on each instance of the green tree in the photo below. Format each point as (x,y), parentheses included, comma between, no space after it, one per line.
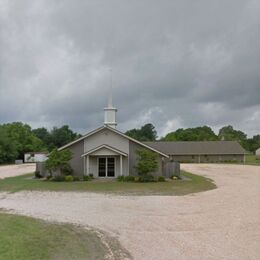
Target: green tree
(147,162)
(256,143)
(43,134)
(57,137)
(202,133)
(228,133)
(252,144)
(23,138)
(8,151)
(58,162)
(145,133)
(61,136)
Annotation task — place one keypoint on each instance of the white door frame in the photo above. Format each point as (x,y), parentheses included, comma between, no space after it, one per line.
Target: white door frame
(106,157)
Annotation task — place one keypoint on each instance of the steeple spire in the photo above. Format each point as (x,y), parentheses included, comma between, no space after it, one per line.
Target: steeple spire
(110,99)
(110,110)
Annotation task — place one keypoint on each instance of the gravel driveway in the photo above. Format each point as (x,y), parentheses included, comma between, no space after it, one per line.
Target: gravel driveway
(15,170)
(219,224)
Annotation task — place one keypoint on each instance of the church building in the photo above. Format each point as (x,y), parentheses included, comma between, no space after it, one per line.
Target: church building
(107,152)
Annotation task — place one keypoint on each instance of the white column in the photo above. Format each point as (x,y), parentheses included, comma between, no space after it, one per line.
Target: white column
(84,165)
(121,165)
(87,165)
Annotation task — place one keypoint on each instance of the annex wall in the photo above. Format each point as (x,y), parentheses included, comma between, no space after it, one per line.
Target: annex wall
(208,158)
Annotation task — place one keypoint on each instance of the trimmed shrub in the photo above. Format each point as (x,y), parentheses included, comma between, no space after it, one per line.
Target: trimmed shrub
(120,178)
(58,178)
(137,178)
(76,178)
(91,176)
(86,178)
(129,178)
(146,178)
(161,179)
(69,178)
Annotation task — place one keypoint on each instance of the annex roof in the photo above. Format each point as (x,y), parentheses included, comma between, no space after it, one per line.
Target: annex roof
(197,147)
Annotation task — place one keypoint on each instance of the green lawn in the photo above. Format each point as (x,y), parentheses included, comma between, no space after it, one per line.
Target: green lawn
(251,160)
(194,184)
(28,238)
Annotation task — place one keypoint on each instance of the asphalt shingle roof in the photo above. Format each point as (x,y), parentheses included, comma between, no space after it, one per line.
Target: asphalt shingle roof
(197,147)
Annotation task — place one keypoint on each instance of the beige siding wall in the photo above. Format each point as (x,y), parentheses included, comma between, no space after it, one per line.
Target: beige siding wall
(106,137)
(76,162)
(133,160)
(208,158)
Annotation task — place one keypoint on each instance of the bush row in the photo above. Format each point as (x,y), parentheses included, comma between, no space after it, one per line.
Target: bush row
(141,178)
(69,178)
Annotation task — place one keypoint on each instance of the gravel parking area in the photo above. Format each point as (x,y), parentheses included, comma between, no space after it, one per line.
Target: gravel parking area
(15,170)
(223,223)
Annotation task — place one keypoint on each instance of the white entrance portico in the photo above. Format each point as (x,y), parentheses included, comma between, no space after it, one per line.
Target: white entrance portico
(104,161)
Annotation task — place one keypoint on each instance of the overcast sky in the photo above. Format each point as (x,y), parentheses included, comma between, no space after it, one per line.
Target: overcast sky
(176,63)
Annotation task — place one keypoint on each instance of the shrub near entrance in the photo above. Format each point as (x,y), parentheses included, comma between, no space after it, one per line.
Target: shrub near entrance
(69,178)
(146,178)
(161,178)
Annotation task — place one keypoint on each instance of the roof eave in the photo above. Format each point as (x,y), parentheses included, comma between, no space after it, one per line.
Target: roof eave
(115,131)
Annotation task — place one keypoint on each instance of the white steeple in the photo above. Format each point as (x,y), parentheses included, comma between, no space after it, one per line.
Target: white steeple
(110,111)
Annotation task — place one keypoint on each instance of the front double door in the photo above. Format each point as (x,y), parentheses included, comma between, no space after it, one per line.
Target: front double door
(106,167)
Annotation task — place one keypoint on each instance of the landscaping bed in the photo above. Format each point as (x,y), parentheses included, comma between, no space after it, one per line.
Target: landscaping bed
(170,187)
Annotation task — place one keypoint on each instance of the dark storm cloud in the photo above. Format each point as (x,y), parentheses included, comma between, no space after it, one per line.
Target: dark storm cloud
(175,63)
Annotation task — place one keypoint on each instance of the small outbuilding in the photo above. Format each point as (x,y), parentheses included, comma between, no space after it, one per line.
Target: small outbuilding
(32,157)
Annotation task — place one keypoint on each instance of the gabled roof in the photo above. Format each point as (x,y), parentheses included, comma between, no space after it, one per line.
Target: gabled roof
(197,147)
(104,146)
(117,132)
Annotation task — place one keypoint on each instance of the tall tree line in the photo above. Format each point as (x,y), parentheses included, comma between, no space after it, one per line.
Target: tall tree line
(17,138)
(201,133)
